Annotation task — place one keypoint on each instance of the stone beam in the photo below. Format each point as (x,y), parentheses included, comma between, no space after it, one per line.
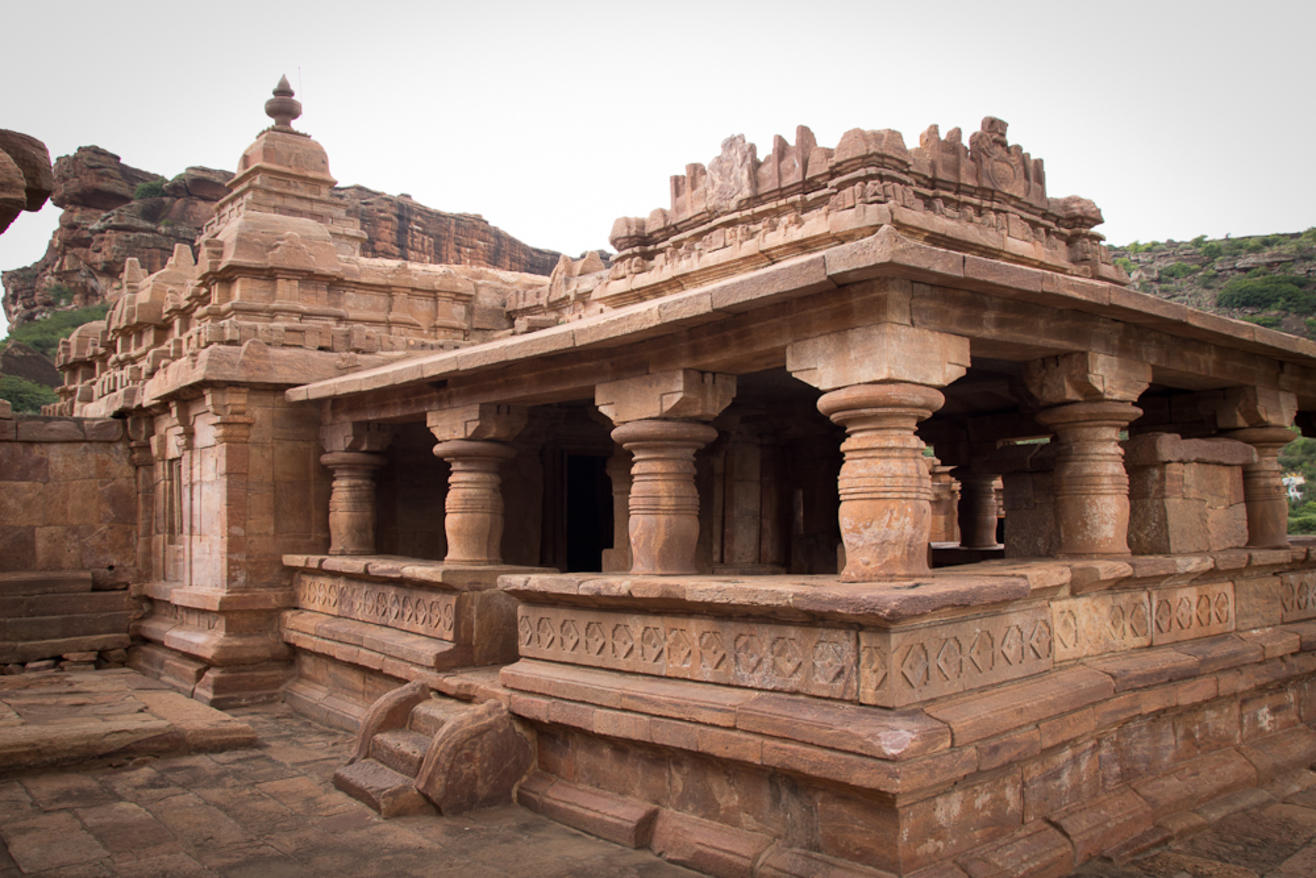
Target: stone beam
(1086,376)
(478,421)
(878,352)
(676,393)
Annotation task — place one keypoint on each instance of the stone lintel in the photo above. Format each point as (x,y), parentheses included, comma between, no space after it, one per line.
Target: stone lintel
(1086,376)
(1151,449)
(878,352)
(477,421)
(1244,407)
(675,393)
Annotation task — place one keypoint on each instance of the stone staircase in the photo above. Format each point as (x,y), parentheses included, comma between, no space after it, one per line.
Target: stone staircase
(418,750)
(53,615)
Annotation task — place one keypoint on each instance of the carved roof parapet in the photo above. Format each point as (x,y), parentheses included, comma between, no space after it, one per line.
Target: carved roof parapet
(988,198)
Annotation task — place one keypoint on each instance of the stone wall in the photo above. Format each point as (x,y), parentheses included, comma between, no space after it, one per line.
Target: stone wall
(67,497)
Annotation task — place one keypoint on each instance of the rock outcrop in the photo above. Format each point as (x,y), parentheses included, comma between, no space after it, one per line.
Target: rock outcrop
(103,223)
(25,175)
(109,215)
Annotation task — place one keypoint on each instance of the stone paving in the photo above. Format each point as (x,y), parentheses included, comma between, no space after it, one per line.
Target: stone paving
(271,810)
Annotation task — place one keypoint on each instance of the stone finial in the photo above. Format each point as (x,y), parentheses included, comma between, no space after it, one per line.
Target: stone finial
(283,108)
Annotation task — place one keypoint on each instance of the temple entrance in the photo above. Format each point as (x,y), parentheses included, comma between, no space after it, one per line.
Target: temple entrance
(588,500)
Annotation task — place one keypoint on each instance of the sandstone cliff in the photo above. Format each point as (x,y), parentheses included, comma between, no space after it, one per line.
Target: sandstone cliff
(113,211)
(104,223)
(400,228)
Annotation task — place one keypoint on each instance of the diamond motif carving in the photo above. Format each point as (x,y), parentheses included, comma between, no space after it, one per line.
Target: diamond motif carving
(786,658)
(712,655)
(914,666)
(950,659)
(544,635)
(623,641)
(680,651)
(828,661)
(1199,611)
(982,652)
(652,644)
(570,635)
(1298,595)
(595,641)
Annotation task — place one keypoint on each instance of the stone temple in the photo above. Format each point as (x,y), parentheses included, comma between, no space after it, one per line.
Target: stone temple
(856,518)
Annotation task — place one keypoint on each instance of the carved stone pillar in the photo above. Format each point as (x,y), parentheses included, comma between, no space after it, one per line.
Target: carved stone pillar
(884,485)
(1091,400)
(1091,485)
(659,422)
(1261,417)
(352,457)
(977,508)
(352,501)
(619,473)
(881,380)
(473,509)
(474,442)
(664,503)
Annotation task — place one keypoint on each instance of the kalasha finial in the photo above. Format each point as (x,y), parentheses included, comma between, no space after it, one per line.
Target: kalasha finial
(282,108)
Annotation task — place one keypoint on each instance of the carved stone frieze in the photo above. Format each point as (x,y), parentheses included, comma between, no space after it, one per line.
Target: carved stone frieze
(785,658)
(1191,612)
(1101,623)
(417,610)
(905,667)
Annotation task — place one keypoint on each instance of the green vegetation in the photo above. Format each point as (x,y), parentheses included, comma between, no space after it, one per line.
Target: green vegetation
(44,335)
(149,189)
(60,294)
(1270,321)
(24,395)
(1178,270)
(1266,291)
(1299,457)
(1126,263)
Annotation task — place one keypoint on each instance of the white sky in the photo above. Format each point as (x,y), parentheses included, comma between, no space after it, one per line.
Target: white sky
(553,118)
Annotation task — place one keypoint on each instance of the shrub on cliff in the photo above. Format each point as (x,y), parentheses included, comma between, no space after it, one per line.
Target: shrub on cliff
(149,189)
(1269,291)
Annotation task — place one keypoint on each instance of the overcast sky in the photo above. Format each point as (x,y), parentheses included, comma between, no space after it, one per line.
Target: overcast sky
(551,119)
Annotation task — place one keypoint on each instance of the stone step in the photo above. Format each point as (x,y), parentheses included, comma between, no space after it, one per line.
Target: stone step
(383,789)
(429,716)
(44,582)
(34,650)
(62,604)
(25,628)
(400,749)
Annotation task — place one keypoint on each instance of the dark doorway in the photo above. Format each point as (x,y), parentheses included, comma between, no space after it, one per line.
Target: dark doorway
(588,511)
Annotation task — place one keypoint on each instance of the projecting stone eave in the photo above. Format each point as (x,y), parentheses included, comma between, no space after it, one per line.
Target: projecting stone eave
(885,254)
